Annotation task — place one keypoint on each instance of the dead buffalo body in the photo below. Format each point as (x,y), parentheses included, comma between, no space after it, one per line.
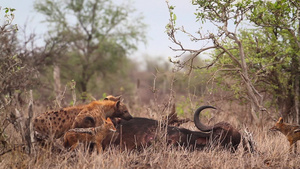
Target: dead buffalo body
(222,133)
(140,132)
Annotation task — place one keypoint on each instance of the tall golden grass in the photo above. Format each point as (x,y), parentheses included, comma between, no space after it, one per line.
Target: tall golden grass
(271,151)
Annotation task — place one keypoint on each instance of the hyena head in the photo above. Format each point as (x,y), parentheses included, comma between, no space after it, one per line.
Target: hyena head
(278,125)
(113,98)
(121,111)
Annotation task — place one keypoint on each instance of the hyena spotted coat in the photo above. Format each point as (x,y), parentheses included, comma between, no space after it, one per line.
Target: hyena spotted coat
(100,112)
(54,124)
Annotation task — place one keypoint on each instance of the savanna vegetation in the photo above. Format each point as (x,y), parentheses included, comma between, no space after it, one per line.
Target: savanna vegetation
(252,78)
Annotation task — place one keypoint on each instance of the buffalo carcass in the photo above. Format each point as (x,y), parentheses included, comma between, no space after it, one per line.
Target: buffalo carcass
(222,133)
(140,132)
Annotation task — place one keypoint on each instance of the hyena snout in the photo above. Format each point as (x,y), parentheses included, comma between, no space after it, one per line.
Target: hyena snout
(122,115)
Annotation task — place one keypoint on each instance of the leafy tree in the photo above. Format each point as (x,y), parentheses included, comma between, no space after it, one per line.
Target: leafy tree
(98,34)
(16,76)
(15,68)
(257,60)
(281,21)
(220,13)
(268,64)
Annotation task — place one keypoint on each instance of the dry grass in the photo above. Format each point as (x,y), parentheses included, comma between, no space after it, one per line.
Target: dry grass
(272,152)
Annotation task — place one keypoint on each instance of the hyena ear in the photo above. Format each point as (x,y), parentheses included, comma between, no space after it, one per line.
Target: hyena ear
(112,98)
(280,120)
(119,97)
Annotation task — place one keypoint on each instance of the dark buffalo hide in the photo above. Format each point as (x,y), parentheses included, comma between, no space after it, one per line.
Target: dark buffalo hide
(141,132)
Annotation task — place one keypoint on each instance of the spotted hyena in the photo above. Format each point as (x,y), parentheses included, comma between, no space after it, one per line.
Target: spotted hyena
(100,113)
(55,123)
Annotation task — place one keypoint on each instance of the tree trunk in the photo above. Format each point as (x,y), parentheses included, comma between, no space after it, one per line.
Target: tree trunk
(286,105)
(296,98)
(57,84)
(297,78)
(255,103)
(28,125)
(84,82)
(83,88)
(56,77)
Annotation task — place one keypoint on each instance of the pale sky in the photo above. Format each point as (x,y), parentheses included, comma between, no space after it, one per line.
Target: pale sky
(155,13)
